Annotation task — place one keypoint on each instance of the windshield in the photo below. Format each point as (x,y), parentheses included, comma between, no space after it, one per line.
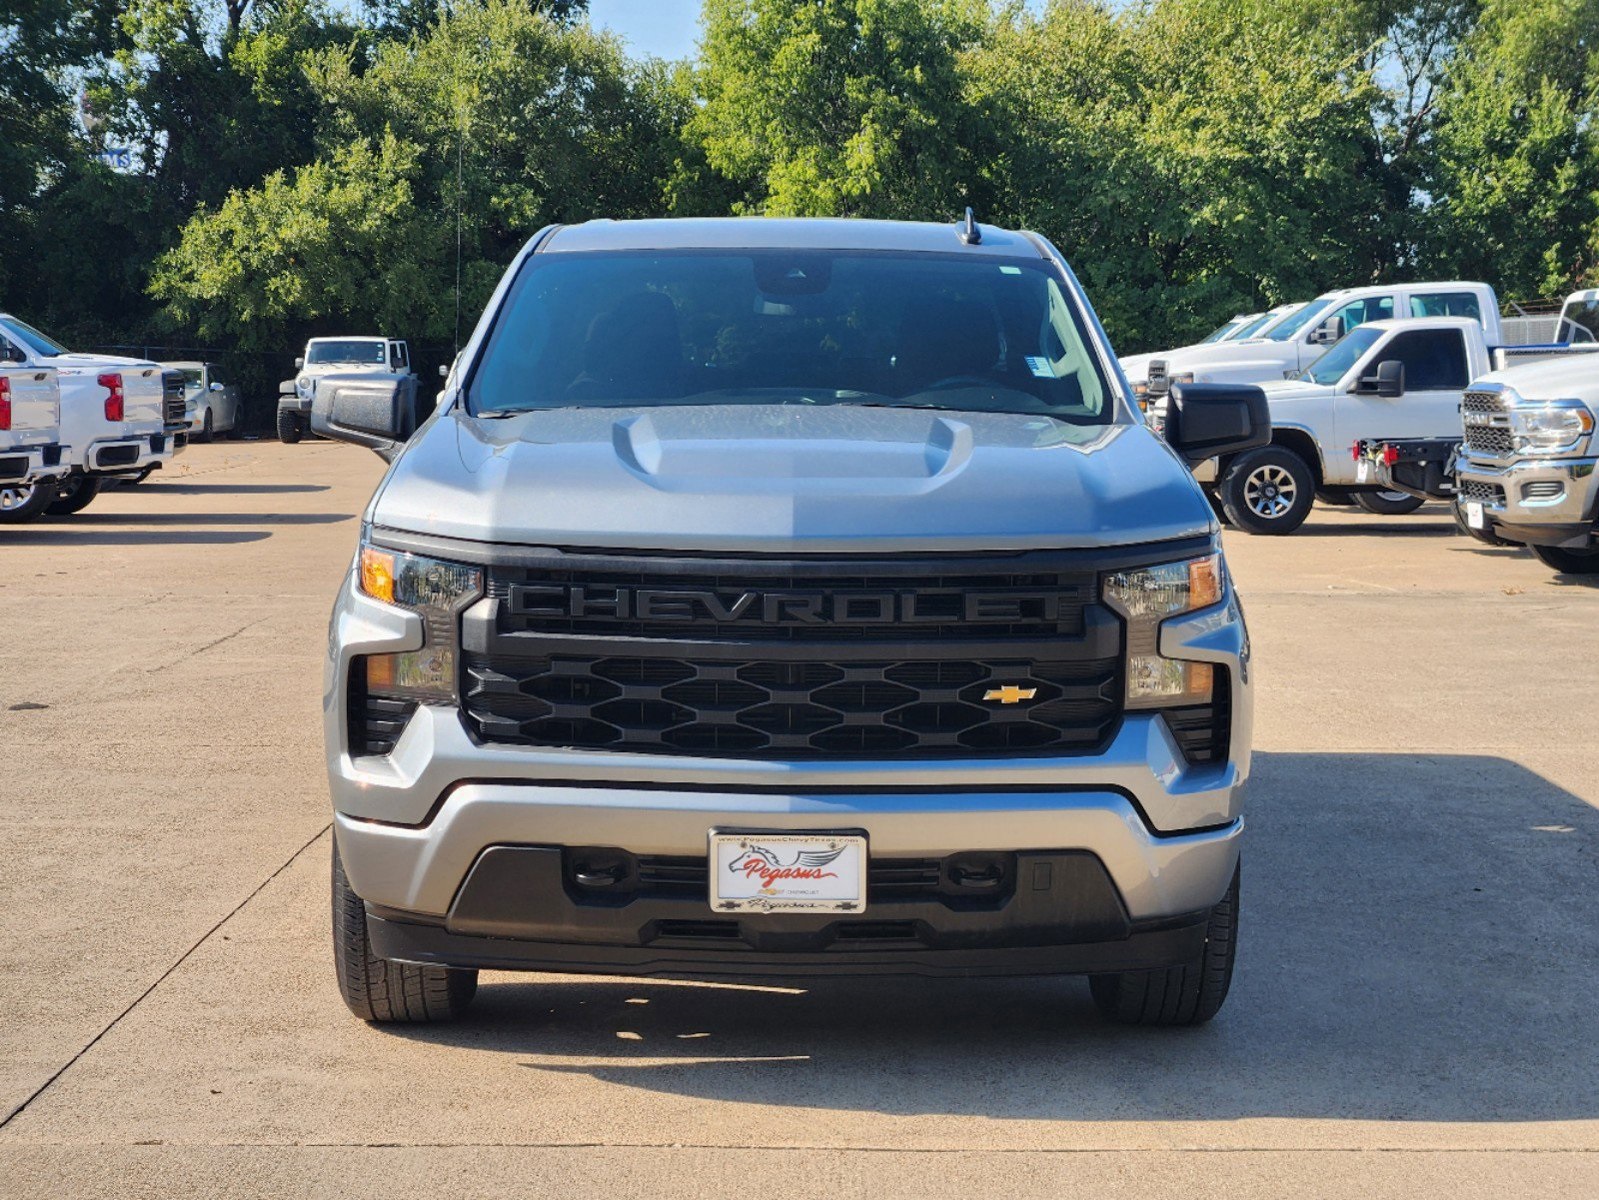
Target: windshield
(812,327)
(345,352)
(1216,335)
(1579,322)
(1330,367)
(191,376)
(1300,319)
(1247,329)
(34,341)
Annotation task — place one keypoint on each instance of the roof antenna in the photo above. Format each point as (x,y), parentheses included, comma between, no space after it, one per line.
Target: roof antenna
(969,233)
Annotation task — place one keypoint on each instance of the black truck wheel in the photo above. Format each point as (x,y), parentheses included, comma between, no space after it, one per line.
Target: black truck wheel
(1335,497)
(1190,993)
(74,493)
(290,427)
(1569,562)
(382,991)
(1269,490)
(21,502)
(1388,504)
(1486,536)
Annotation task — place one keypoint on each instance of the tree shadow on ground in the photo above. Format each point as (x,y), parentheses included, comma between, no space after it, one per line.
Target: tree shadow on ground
(1420,941)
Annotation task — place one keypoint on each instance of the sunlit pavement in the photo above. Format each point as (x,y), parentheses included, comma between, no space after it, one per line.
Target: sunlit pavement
(1414,1012)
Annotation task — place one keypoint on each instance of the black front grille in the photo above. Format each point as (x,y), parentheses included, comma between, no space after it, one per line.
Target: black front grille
(375,722)
(791,602)
(1475,489)
(753,706)
(795,659)
(1481,402)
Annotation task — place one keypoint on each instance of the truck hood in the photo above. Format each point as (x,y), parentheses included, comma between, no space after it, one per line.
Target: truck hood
(1285,392)
(93,362)
(782,478)
(1254,355)
(1571,375)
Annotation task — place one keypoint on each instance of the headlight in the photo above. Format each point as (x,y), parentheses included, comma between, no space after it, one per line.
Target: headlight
(302,387)
(1550,428)
(436,589)
(1145,597)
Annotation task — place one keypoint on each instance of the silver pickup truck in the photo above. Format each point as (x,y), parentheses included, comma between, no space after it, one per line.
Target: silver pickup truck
(780,597)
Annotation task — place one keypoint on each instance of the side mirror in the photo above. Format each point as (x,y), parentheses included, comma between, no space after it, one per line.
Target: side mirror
(1204,420)
(1328,332)
(444,370)
(11,354)
(375,411)
(215,386)
(1388,381)
(298,363)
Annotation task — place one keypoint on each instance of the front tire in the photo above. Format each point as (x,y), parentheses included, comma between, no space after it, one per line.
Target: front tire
(1190,993)
(1269,491)
(74,493)
(382,991)
(1388,504)
(206,429)
(1569,562)
(290,430)
(21,502)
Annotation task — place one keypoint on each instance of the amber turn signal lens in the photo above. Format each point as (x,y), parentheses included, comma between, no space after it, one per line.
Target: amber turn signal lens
(1204,581)
(377,574)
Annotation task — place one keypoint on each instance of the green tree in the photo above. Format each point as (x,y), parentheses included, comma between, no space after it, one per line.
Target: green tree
(839,107)
(1514,189)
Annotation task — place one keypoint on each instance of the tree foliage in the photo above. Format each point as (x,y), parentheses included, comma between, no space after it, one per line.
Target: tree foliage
(303,166)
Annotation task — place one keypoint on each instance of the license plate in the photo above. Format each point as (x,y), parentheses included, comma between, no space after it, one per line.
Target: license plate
(754,871)
(1474,515)
(1362,471)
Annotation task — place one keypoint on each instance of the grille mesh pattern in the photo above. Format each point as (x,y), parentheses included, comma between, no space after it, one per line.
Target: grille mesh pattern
(792,709)
(173,409)
(1475,489)
(1481,402)
(1489,439)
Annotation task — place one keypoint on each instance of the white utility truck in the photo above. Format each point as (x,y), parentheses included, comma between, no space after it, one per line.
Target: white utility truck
(120,417)
(1387,380)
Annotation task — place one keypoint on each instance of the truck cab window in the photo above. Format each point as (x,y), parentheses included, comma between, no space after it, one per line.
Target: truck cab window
(1434,359)
(1446,304)
(1371,308)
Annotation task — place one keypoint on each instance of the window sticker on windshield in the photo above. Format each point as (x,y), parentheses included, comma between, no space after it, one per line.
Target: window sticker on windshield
(1041,367)
(1010,270)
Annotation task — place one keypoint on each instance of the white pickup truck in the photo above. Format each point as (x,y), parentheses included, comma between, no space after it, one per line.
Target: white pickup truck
(1251,327)
(120,417)
(30,440)
(1387,380)
(1303,337)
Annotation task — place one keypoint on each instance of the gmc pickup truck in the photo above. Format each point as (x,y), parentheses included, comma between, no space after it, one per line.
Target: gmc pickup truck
(121,417)
(30,440)
(786,597)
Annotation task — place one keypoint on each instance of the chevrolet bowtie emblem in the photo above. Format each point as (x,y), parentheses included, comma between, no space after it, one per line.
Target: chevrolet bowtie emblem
(1010,694)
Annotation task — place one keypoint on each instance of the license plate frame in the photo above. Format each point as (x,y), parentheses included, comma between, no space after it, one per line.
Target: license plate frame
(787,870)
(1476,517)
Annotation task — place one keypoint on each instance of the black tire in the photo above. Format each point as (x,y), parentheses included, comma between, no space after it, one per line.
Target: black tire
(1190,993)
(1569,562)
(20,502)
(382,991)
(290,428)
(206,430)
(1335,497)
(1388,504)
(1216,506)
(1270,490)
(74,493)
(1486,536)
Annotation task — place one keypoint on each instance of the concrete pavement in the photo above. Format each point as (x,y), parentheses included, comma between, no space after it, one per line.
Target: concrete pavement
(1414,1011)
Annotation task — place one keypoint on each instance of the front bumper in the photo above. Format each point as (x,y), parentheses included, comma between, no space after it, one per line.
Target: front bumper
(1548,502)
(128,455)
(416,825)
(27,464)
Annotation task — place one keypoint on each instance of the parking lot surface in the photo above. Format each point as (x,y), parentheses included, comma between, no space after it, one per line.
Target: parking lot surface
(1414,1012)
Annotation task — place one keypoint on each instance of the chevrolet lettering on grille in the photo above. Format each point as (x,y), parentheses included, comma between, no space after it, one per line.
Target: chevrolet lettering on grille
(686,606)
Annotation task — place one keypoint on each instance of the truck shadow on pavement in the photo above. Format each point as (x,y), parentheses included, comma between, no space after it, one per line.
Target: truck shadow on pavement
(1420,941)
(238,489)
(64,535)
